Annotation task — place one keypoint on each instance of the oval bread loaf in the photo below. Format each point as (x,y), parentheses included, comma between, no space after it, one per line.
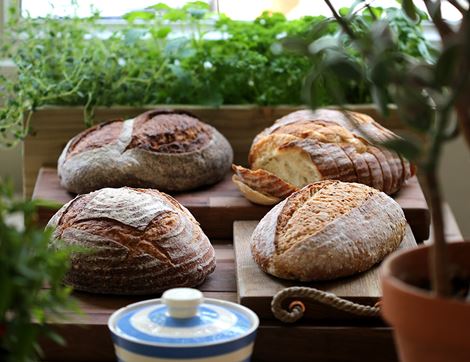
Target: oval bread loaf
(167,150)
(328,229)
(141,241)
(305,147)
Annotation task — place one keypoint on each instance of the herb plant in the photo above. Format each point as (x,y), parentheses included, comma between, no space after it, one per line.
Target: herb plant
(430,92)
(27,265)
(164,55)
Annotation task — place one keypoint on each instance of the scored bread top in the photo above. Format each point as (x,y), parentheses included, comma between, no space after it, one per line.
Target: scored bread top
(142,241)
(305,147)
(102,134)
(327,230)
(169,132)
(306,213)
(157,131)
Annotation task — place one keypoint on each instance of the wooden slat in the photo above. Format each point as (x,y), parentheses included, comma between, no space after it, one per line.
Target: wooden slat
(52,127)
(256,288)
(218,206)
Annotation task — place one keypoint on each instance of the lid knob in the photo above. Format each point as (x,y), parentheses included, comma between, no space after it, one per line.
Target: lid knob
(182,302)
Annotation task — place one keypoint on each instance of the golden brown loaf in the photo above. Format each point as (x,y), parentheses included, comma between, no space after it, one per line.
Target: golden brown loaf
(141,241)
(328,229)
(167,150)
(305,147)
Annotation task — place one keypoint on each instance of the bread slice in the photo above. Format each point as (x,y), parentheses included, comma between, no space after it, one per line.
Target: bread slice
(260,186)
(306,146)
(327,230)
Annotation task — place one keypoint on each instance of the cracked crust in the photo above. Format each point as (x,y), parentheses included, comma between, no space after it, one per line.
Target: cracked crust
(327,230)
(142,241)
(168,150)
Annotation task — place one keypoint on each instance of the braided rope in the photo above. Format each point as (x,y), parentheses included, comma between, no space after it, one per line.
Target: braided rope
(296,309)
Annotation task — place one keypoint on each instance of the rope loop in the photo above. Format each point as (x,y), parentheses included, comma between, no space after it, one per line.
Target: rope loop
(296,308)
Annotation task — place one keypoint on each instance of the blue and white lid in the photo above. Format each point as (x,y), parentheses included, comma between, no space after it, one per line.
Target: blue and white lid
(183,318)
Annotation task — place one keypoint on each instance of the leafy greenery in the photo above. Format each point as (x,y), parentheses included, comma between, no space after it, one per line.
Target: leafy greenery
(164,55)
(27,264)
(430,91)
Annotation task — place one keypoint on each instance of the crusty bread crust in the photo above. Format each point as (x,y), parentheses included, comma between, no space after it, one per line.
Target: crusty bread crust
(141,241)
(169,151)
(305,147)
(327,230)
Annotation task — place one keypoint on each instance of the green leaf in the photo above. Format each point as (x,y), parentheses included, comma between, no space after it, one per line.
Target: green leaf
(405,147)
(141,15)
(322,44)
(159,7)
(295,45)
(161,33)
(410,9)
(47,204)
(342,66)
(175,15)
(133,35)
(201,5)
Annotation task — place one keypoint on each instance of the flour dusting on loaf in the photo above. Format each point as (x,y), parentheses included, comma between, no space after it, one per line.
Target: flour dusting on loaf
(327,230)
(140,241)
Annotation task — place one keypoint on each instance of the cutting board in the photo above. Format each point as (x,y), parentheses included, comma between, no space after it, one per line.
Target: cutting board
(256,288)
(218,206)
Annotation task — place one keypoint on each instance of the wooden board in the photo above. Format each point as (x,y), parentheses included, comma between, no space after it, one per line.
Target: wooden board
(361,340)
(218,206)
(88,337)
(256,288)
(53,126)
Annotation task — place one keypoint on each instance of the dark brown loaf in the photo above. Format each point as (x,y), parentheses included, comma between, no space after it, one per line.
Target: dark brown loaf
(142,241)
(327,230)
(305,147)
(168,150)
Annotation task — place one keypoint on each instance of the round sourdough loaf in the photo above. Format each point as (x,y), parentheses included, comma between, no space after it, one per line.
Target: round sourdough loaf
(141,241)
(167,150)
(326,144)
(327,230)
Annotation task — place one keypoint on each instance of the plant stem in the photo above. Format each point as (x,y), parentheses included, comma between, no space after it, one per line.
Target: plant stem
(438,258)
(340,20)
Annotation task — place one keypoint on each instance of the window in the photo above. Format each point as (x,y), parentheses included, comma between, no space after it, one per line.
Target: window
(236,9)
(83,8)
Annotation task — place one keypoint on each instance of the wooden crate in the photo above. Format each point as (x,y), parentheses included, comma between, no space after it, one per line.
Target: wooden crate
(52,127)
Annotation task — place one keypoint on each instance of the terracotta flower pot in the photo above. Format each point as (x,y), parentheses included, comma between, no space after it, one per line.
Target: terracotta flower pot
(426,328)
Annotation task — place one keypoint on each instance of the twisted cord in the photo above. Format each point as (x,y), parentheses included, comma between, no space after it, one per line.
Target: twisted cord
(296,309)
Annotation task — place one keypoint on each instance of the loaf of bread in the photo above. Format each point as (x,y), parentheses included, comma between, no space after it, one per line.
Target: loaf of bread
(305,147)
(139,241)
(167,150)
(328,229)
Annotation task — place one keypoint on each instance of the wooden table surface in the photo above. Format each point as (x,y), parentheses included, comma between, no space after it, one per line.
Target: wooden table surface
(336,340)
(216,207)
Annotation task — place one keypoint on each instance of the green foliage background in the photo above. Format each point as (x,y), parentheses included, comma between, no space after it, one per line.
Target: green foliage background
(27,264)
(163,55)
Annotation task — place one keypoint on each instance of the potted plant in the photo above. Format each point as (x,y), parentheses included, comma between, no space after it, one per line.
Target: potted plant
(30,280)
(425,290)
(226,71)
